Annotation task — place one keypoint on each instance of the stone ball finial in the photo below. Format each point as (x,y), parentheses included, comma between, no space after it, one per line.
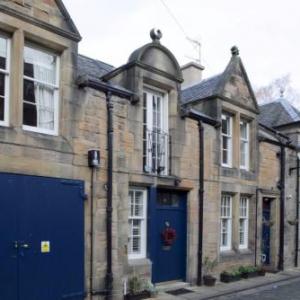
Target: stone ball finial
(155,35)
(282,92)
(235,51)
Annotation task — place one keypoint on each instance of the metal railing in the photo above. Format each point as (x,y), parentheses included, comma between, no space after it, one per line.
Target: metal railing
(156,152)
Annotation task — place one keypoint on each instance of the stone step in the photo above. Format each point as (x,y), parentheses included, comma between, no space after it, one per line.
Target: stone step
(171,285)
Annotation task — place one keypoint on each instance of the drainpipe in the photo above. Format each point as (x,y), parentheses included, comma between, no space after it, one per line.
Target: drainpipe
(110,136)
(282,208)
(201,197)
(109,90)
(92,233)
(256,229)
(297,214)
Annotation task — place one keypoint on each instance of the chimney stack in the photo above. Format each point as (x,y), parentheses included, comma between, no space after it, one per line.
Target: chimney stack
(192,74)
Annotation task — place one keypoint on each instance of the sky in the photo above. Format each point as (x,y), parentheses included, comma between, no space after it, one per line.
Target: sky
(265,31)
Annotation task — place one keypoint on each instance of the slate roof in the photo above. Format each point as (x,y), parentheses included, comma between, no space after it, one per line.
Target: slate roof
(92,67)
(207,87)
(278,112)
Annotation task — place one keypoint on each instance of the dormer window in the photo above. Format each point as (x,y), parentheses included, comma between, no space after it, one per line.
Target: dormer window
(244,145)
(226,140)
(155,132)
(4,79)
(40,91)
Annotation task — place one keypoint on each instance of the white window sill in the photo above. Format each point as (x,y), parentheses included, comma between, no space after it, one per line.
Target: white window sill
(4,123)
(244,168)
(40,130)
(226,166)
(224,250)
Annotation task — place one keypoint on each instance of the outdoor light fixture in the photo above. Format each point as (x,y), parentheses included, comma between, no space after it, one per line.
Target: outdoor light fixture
(94,158)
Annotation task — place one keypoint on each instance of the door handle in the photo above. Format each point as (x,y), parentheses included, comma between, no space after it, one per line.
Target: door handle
(24,246)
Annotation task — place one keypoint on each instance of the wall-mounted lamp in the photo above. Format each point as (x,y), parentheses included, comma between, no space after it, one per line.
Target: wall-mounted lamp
(94,158)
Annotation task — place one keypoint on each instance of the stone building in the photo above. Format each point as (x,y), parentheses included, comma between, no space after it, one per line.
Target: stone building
(110,173)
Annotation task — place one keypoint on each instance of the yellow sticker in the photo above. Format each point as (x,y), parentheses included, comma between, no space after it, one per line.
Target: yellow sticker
(45,247)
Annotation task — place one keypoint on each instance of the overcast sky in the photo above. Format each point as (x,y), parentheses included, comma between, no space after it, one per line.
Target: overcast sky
(267,32)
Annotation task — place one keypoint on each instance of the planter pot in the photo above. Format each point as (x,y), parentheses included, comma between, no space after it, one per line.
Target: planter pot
(247,275)
(209,280)
(229,278)
(140,295)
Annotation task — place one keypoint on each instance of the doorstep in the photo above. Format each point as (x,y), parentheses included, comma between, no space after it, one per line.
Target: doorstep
(222,289)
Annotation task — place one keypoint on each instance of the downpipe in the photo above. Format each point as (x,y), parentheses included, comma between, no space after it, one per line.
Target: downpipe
(109,208)
(282,208)
(201,199)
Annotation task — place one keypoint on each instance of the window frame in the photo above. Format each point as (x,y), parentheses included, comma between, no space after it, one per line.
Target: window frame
(148,128)
(228,246)
(56,88)
(245,218)
(6,73)
(229,138)
(143,234)
(247,142)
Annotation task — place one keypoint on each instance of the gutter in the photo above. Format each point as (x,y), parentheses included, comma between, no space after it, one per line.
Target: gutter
(86,81)
(196,115)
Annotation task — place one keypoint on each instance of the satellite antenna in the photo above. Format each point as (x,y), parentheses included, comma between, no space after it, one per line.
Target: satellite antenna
(197,47)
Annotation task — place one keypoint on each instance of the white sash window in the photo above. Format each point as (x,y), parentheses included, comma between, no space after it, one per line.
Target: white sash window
(244,222)
(137,200)
(155,135)
(4,80)
(244,145)
(226,140)
(226,222)
(40,91)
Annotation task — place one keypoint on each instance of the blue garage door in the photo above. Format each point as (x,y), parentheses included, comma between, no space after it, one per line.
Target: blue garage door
(41,238)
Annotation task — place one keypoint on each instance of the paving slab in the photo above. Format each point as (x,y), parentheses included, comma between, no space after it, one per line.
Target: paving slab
(220,289)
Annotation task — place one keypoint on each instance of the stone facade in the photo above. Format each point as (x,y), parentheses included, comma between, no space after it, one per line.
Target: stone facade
(83,126)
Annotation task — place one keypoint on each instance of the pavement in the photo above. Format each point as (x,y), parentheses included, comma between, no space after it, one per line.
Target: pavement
(283,285)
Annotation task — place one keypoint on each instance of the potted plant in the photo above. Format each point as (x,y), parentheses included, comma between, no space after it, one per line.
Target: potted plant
(230,275)
(209,266)
(248,271)
(137,289)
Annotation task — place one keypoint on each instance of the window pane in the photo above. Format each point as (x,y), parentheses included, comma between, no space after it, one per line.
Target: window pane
(243,129)
(1,109)
(225,127)
(2,84)
(29,114)
(3,53)
(136,244)
(28,91)
(40,65)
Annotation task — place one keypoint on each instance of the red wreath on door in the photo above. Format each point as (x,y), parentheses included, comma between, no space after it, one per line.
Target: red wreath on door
(168,236)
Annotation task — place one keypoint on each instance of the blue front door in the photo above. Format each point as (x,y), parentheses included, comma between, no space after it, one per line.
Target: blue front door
(167,235)
(266,231)
(41,238)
